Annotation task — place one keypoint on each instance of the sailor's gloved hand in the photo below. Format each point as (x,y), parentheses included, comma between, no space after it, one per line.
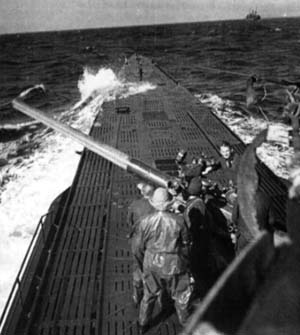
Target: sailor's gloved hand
(233,238)
(181,156)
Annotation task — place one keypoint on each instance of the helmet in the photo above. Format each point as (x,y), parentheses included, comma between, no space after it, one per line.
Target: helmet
(161,199)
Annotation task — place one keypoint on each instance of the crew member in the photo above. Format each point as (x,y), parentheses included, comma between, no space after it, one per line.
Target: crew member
(262,297)
(141,72)
(136,211)
(195,170)
(162,246)
(229,158)
(212,248)
(228,162)
(197,220)
(140,69)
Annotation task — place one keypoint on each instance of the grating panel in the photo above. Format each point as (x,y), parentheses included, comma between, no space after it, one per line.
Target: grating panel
(157,124)
(198,150)
(191,134)
(160,142)
(159,153)
(129,120)
(128,136)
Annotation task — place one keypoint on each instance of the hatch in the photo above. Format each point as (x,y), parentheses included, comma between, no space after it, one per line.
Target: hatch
(122,109)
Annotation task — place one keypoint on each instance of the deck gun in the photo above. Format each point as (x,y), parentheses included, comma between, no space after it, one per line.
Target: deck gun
(113,155)
(151,175)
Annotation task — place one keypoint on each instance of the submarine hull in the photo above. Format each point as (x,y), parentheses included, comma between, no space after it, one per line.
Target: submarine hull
(78,277)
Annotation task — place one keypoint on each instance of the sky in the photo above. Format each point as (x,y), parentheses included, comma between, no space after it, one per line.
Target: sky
(42,15)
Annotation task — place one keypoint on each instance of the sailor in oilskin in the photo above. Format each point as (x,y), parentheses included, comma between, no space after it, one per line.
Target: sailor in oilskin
(162,245)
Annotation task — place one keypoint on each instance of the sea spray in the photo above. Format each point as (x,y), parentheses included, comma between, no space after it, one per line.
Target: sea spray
(275,154)
(95,86)
(40,177)
(104,80)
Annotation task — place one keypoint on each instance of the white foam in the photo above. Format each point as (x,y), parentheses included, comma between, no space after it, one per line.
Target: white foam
(102,80)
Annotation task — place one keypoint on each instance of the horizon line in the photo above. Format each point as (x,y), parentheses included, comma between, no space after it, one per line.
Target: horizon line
(141,25)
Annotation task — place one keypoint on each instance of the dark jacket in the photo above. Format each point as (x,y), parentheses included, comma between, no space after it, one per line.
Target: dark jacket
(212,249)
(192,171)
(195,213)
(229,167)
(162,243)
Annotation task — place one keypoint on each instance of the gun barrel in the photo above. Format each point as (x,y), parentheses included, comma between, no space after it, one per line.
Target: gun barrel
(113,155)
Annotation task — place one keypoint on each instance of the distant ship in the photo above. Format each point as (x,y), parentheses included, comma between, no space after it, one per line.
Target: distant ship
(253,15)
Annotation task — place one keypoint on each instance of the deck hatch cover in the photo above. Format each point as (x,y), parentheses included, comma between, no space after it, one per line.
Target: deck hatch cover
(122,110)
(166,164)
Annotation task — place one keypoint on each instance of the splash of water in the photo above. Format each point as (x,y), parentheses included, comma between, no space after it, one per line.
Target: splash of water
(96,87)
(38,179)
(104,80)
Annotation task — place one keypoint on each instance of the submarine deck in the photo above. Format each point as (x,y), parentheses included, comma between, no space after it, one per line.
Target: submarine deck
(78,279)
